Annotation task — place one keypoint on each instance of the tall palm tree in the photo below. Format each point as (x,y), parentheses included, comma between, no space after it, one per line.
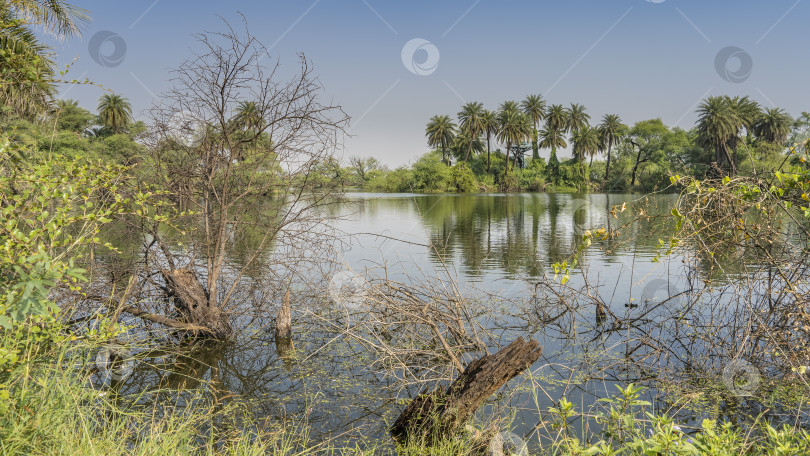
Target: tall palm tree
(586,141)
(467,142)
(577,118)
(515,127)
(773,126)
(114,112)
(490,122)
(556,121)
(612,130)
(719,127)
(55,16)
(535,107)
(26,65)
(249,117)
(440,132)
(471,122)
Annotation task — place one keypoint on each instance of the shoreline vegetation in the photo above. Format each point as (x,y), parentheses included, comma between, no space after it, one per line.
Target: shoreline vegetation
(190,228)
(499,151)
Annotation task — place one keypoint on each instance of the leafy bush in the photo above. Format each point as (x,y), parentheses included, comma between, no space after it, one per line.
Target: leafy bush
(462,179)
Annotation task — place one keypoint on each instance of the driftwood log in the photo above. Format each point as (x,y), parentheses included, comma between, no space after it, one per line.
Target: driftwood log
(192,302)
(438,415)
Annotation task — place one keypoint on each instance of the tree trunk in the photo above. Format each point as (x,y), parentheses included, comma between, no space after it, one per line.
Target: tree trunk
(535,148)
(607,170)
(488,135)
(192,301)
(437,415)
(635,168)
(284,345)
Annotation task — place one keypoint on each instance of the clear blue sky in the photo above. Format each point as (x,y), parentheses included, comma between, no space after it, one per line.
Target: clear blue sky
(638,58)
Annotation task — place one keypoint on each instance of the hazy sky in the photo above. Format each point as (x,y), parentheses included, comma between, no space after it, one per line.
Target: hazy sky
(637,58)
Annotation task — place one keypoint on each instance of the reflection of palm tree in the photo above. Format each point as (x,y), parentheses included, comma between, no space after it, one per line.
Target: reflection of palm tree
(440,133)
(535,107)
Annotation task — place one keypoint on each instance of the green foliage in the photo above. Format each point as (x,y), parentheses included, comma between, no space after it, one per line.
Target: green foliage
(462,179)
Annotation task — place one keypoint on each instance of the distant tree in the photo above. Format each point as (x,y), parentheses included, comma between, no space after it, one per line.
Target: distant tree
(471,123)
(576,118)
(441,132)
(363,168)
(72,117)
(773,126)
(114,112)
(719,127)
(612,130)
(535,107)
(514,128)
(490,122)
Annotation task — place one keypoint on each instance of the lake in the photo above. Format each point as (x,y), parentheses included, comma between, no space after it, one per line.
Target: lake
(620,319)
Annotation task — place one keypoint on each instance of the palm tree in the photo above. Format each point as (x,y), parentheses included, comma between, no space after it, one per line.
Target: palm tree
(577,118)
(114,112)
(535,107)
(440,133)
(718,127)
(556,121)
(612,130)
(490,122)
(26,65)
(55,16)
(773,126)
(249,117)
(467,142)
(515,127)
(586,141)
(471,122)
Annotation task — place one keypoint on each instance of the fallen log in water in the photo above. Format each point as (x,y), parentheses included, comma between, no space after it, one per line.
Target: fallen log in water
(438,415)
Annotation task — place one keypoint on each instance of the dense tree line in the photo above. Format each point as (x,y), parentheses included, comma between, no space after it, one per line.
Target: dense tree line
(732,135)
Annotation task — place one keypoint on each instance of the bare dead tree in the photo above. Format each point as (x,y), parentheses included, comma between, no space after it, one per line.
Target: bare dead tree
(234,142)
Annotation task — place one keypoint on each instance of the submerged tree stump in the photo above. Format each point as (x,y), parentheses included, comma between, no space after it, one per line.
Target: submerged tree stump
(284,345)
(437,415)
(192,301)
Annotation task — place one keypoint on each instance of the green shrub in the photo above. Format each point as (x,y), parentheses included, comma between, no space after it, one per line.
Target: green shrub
(462,179)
